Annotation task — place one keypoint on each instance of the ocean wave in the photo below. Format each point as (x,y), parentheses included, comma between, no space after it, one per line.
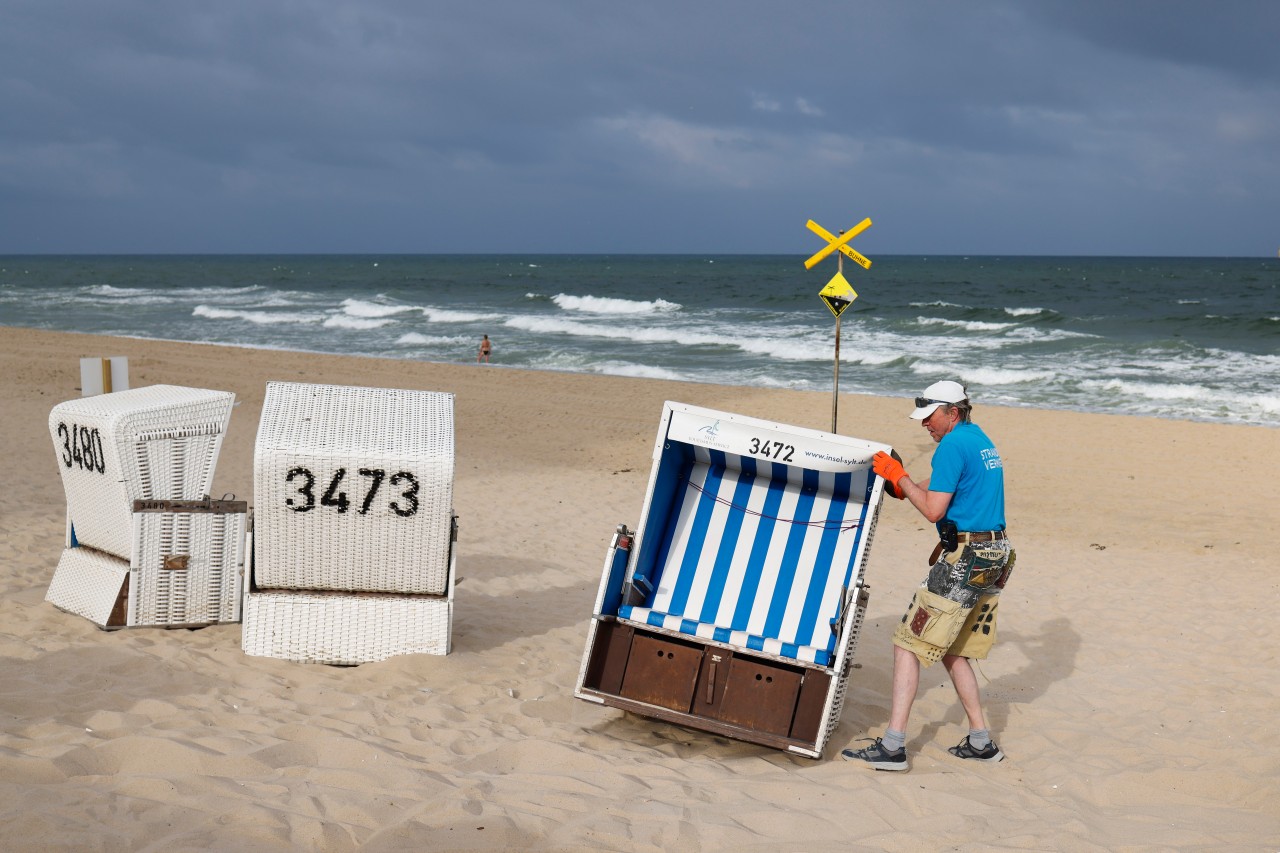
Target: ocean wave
(415,339)
(111,290)
(374,310)
(261,318)
(965,325)
(342,321)
(613,305)
(1030,333)
(983,376)
(785,347)
(1027,312)
(130,293)
(936,304)
(638,371)
(446,315)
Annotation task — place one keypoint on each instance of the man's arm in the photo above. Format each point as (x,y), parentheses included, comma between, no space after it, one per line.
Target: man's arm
(932,505)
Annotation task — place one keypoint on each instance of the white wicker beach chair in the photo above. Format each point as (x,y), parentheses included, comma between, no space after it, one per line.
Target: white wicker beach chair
(160,442)
(736,605)
(145,546)
(352,558)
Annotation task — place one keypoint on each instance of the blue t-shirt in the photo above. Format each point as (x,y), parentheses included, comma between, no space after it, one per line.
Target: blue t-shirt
(968,465)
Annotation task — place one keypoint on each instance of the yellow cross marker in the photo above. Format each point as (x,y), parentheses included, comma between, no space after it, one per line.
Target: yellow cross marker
(840,243)
(838,294)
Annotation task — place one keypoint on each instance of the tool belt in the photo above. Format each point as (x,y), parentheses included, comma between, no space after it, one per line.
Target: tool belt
(954,540)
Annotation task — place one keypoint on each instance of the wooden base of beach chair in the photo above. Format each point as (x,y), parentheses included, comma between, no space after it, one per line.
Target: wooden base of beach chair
(710,686)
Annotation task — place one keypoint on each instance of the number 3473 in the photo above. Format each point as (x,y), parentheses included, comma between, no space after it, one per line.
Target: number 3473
(400,495)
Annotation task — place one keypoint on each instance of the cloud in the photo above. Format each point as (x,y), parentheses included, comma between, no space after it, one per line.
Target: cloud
(992,125)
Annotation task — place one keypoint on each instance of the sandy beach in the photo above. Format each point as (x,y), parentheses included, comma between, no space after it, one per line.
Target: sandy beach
(1134,688)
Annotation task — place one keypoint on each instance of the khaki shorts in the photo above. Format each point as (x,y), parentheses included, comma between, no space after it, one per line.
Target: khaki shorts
(935,626)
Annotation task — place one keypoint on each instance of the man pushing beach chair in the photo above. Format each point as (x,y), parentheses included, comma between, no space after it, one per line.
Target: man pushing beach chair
(736,604)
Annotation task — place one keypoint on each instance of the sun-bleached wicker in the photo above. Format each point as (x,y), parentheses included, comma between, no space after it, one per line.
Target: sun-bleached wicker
(353,489)
(90,583)
(188,563)
(159,442)
(186,569)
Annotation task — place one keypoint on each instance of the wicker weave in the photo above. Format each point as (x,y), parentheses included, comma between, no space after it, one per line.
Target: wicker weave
(344,628)
(88,583)
(155,443)
(187,567)
(354,489)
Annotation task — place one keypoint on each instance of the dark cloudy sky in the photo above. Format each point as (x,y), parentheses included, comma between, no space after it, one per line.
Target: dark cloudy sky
(984,126)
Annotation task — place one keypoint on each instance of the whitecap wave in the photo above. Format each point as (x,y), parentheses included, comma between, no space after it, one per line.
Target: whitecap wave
(261,318)
(965,325)
(342,321)
(445,315)
(361,308)
(613,305)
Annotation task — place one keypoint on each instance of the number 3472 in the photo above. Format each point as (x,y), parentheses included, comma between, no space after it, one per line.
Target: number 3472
(400,495)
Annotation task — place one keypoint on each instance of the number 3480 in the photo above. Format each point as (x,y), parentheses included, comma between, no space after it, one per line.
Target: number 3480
(400,495)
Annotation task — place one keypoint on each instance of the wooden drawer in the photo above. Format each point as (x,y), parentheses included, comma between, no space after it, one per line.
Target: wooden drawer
(661,671)
(757,695)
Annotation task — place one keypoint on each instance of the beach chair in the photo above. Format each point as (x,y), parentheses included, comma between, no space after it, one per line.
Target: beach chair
(735,605)
(145,546)
(352,553)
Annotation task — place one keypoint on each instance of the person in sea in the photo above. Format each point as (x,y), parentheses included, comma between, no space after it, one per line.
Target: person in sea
(952,616)
(485,348)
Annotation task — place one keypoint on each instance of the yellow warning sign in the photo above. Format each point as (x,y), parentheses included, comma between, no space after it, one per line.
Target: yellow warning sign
(838,294)
(840,244)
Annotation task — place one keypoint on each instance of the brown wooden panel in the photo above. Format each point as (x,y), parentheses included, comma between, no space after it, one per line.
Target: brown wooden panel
(759,695)
(809,707)
(608,659)
(661,671)
(711,680)
(119,617)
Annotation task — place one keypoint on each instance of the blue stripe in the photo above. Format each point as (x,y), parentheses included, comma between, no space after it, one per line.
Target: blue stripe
(826,553)
(671,521)
(857,539)
(698,532)
(721,635)
(760,548)
(729,541)
(791,556)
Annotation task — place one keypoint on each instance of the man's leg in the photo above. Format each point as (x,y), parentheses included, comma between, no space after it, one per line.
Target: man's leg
(906,680)
(966,684)
(889,752)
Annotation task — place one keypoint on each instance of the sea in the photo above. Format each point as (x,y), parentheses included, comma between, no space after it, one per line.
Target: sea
(1183,338)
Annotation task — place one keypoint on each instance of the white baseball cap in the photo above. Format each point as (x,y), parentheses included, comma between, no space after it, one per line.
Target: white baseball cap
(935,395)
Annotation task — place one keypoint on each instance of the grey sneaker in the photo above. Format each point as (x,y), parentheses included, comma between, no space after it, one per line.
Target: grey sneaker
(964,749)
(877,756)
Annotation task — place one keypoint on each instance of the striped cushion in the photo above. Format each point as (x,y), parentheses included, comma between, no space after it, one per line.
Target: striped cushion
(755,554)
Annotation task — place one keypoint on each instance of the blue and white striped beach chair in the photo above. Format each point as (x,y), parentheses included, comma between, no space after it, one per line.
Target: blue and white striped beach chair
(747,565)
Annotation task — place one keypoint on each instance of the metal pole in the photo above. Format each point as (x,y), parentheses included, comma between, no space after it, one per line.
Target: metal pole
(835,386)
(835,394)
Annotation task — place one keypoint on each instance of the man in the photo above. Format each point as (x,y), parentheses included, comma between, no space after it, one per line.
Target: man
(952,616)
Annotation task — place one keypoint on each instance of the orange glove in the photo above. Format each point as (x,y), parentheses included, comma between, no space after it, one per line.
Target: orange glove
(890,467)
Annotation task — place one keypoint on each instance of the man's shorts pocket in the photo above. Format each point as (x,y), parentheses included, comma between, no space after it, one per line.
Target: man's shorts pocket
(930,626)
(934,619)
